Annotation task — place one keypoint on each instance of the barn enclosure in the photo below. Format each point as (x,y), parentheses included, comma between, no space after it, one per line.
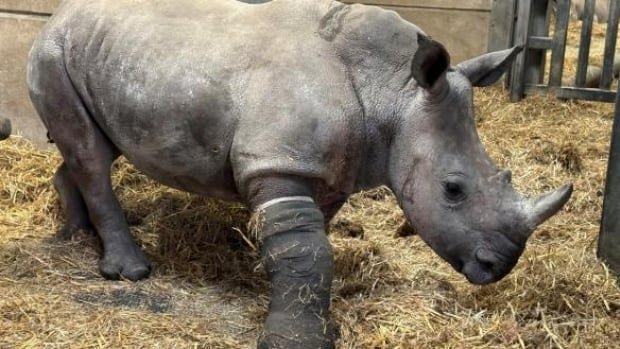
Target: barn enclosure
(542,29)
(208,288)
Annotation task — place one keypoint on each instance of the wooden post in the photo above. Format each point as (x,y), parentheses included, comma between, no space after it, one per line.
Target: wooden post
(609,236)
(584,43)
(538,27)
(517,75)
(501,25)
(559,42)
(610,44)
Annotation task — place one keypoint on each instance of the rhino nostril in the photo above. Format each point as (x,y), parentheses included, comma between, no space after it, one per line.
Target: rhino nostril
(486,266)
(486,258)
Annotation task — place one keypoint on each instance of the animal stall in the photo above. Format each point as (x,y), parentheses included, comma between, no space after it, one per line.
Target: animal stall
(542,29)
(543,26)
(390,290)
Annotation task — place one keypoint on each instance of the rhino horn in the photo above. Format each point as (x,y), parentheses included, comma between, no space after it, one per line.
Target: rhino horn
(541,208)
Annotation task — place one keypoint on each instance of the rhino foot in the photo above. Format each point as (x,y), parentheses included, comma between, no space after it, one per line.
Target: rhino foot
(307,331)
(72,231)
(125,263)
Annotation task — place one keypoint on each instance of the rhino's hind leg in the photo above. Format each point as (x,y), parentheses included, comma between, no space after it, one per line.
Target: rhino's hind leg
(76,213)
(88,155)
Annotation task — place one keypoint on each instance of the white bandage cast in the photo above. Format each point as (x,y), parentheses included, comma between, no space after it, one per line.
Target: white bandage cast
(266,204)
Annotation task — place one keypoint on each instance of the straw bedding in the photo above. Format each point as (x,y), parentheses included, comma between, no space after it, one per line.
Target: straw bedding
(208,289)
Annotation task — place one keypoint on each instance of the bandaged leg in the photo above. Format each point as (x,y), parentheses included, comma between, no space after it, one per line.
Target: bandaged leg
(299,261)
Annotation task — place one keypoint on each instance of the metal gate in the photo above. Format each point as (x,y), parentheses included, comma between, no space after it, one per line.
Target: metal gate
(533,24)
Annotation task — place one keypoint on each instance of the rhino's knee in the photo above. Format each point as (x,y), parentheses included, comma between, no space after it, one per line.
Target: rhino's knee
(299,261)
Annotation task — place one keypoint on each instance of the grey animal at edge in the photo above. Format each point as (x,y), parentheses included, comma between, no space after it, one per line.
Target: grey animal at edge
(594,74)
(5,129)
(308,102)
(601,10)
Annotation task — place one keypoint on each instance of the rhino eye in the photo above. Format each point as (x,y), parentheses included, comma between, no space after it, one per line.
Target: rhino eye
(453,191)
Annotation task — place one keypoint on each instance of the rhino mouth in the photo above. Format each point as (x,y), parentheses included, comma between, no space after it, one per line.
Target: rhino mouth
(479,273)
(489,266)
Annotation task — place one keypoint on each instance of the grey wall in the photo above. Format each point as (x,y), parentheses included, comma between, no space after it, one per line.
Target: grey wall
(461,25)
(20,21)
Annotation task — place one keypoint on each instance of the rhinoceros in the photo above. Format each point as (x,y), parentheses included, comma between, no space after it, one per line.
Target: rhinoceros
(289,106)
(601,10)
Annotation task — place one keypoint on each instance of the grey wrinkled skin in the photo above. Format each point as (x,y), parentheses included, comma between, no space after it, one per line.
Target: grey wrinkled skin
(257,101)
(5,129)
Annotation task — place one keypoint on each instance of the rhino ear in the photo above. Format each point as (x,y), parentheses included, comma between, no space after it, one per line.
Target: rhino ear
(430,62)
(486,70)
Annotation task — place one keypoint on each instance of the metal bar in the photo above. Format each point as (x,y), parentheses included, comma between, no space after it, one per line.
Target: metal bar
(589,94)
(609,236)
(517,83)
(584,43)
(610,44)
(559,42)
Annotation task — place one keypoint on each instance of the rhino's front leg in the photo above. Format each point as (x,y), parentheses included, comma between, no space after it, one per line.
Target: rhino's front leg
(299,261)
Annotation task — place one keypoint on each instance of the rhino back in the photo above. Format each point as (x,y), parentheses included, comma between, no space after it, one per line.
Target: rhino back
(203,95)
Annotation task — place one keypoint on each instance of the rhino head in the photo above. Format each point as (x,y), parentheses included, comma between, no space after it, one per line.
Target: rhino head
(452,193)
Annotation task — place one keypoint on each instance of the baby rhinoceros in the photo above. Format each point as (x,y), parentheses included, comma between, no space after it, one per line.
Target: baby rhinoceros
(289,106)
